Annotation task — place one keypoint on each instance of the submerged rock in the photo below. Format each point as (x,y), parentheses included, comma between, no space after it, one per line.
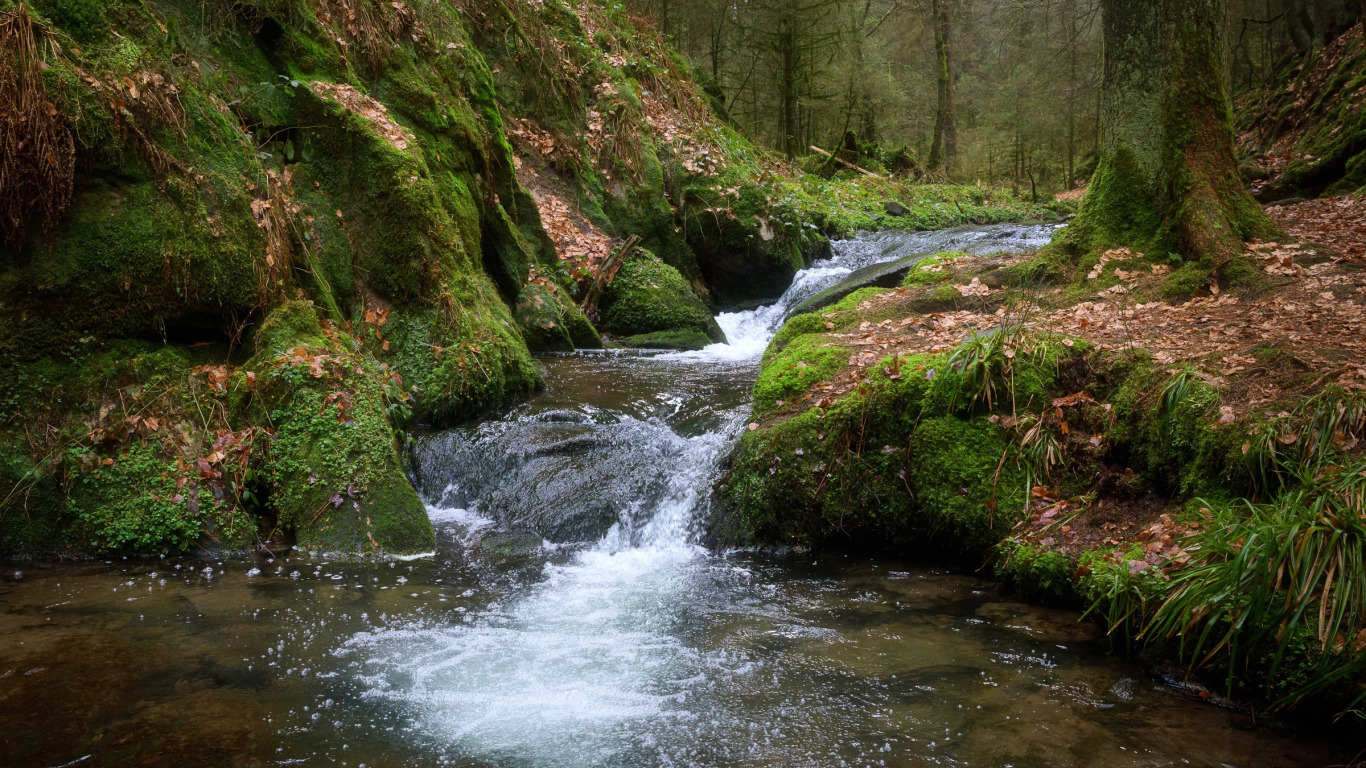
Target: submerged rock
(564,482)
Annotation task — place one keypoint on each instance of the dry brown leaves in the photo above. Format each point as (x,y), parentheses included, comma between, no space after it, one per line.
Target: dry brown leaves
(367,107)
(1315,314)
(1336,222)
(580,246)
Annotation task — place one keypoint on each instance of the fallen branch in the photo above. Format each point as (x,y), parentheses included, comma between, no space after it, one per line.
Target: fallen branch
(845,163)
(606,275)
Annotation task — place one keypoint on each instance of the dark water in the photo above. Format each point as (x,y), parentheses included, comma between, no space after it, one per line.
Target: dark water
(568,618)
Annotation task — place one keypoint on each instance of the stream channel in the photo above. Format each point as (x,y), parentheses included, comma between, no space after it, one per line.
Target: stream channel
(569,617)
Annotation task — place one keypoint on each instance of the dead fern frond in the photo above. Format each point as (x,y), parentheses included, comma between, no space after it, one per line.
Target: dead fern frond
(37,151)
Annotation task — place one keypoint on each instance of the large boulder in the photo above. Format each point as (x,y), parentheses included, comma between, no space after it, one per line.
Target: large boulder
(649,297)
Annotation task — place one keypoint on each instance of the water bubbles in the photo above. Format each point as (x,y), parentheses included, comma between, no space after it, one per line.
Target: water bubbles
(294,574)
(254,572)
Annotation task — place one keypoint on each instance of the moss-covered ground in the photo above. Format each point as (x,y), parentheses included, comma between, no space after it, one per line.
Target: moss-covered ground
(1094,443)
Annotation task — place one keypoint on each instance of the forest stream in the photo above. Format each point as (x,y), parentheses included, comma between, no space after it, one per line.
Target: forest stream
(570,616)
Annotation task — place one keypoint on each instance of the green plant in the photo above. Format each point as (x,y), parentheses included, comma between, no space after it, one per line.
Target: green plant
(1315,432)
(1261,573)
(1177,390)
(985,364)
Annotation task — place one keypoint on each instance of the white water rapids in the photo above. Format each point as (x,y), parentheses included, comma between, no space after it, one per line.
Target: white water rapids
(597,661)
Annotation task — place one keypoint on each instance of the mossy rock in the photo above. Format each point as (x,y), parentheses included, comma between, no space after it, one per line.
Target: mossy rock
(910,459)
(550,322)
(790,371)
(750,258)
(456,363)
(648,296)
(116,473)
(682,341)
(336,479)
(129,260)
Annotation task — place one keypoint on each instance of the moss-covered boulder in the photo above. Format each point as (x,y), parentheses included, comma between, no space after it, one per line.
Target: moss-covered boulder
(648,296)
(907,453)
(136,455)
(550,322)
(334,473)
(750,259)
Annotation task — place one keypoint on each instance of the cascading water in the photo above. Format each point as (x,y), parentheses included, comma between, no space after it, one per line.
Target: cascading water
(601,633)
(569,618)
(592,664)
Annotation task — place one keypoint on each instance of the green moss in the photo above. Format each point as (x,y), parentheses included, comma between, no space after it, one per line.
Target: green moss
(1118,210)
(82,19)
(456,364)
(788,373)
(128,260)
(648,296)
(550,322)
(1189,279)
(686,341)
(334,472)
(292,324)
(954,474)
(921,274)
(795,327)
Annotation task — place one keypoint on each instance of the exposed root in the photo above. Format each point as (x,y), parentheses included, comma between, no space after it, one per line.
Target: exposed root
(37,152)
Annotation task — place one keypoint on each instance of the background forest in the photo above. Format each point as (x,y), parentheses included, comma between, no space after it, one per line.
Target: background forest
(976,90)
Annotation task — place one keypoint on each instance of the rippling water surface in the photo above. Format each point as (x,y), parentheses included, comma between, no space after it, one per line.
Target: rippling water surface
(569,618)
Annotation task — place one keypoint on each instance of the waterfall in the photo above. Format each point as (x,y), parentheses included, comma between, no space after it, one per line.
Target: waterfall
(595,661)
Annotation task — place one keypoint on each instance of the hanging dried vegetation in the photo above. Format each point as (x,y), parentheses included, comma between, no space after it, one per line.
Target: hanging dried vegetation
(37,152)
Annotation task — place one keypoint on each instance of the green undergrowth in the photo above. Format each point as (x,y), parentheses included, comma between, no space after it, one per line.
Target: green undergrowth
(939,453)
(908,457)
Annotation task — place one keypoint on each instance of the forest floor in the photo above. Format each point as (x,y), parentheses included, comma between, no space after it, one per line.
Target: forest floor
(1299,328)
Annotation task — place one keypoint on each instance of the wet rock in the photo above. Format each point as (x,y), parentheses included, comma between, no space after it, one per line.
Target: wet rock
(512,543)
(887,275)
(561,482)
(682,341)
(895,209)
(744,269)
(574,446)
(563,417)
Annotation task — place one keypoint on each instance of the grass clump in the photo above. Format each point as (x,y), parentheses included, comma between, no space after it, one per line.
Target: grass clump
(1278,585)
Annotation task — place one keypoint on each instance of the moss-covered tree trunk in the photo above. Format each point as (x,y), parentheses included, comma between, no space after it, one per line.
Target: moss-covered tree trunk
(1167,177)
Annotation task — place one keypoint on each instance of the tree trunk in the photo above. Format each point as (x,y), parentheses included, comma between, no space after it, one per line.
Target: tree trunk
(1167,180)
(1299,25)
(1072,93)
(788,85)
(944,149)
